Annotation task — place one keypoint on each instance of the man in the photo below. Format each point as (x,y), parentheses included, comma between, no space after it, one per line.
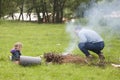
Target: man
(90,40)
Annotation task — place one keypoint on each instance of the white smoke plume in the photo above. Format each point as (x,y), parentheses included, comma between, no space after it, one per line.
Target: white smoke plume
(73,40)
(99,16)
(104,14)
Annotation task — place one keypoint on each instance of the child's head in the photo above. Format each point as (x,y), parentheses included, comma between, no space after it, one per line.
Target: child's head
(18,45)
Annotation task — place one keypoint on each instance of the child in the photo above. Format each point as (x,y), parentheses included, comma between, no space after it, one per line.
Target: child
(16,52)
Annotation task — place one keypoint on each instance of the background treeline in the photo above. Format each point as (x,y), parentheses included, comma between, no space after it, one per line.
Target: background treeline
(52,10)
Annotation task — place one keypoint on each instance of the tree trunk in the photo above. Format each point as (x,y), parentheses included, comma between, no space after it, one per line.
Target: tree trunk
(12,14)
(38,15)
(54,10)
(29,11)
(58,6)
(57,17)
(0,9)
(43,11)
(21,14)
(61,17)
(21,10)
(62,3)
(45,16)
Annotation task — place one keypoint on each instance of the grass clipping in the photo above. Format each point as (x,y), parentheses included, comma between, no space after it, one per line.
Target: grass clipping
(59,59)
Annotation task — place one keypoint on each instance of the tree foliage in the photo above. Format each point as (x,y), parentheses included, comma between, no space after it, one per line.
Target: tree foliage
(51,10)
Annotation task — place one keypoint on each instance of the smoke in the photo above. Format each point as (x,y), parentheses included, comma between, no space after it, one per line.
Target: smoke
(73,40)
(103,16)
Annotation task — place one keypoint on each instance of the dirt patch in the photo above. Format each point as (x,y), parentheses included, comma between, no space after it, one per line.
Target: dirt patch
(59,59)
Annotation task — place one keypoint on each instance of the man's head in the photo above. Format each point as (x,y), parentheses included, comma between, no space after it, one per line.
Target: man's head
(77,28)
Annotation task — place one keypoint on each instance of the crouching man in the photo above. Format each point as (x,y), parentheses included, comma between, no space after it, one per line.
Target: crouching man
(90,41)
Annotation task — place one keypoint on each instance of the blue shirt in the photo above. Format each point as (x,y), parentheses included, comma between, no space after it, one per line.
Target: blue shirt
(15,54)
(87,35)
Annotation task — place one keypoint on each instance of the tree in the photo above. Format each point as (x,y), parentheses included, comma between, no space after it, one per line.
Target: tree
(42,8)
(39,7)
(58,7)
(75,8)
(20,4)
(29,8)
(0,9)
(7,7)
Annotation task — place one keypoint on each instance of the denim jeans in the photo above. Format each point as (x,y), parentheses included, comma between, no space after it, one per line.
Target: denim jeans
(94,47)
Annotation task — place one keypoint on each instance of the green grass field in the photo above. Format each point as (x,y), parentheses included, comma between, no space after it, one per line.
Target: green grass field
(40,38)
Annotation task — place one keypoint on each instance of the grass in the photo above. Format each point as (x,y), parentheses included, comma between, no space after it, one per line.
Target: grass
(40,38)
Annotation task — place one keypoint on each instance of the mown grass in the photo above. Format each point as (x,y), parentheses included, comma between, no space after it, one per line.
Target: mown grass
(40,38)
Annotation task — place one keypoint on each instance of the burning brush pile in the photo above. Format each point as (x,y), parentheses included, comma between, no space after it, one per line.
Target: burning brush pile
(59,59)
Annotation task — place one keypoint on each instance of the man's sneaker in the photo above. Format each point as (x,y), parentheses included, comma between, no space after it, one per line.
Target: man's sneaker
(89,58)
(101,58)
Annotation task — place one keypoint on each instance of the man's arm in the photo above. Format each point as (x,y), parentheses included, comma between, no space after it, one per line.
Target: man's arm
(82,38)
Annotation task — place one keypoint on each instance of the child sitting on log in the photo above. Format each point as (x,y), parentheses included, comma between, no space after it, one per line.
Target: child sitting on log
(16,52)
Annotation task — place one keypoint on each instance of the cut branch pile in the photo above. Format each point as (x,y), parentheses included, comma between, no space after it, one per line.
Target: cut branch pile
(59,59)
